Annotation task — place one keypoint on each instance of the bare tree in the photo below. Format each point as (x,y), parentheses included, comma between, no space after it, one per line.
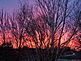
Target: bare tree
(5,28)
(56,14)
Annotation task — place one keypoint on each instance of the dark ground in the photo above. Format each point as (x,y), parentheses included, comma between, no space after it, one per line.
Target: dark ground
(26,54)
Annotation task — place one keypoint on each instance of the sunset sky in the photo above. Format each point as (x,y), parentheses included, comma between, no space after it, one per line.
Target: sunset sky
(10,5)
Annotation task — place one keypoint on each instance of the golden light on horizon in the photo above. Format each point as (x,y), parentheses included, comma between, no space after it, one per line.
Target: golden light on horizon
(29,42)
